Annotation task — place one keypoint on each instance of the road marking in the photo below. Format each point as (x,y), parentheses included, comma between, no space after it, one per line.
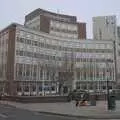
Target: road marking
(3,116)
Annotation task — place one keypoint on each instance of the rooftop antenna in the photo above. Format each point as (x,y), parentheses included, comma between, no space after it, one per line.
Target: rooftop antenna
(58,11)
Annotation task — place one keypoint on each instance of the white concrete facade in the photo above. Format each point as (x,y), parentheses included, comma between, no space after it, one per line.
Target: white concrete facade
(64,29)
(39,55)
(104,28)
(45,61)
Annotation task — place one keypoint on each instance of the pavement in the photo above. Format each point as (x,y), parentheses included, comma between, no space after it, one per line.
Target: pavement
(8,112)
(70,110)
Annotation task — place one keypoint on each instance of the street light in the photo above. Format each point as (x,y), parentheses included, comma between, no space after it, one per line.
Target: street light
(110,100)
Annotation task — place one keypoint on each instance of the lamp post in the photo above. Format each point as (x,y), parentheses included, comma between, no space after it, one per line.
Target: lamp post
(110,98)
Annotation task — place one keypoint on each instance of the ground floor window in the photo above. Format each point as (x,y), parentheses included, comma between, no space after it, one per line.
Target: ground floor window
(26,89)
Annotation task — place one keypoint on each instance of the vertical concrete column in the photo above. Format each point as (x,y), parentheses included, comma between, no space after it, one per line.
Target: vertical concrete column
(36,81)
(74,80)
(102,81)
(43,82)
(87,86)
(22,91)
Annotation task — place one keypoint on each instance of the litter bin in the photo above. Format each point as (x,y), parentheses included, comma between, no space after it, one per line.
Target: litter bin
(93,100)
(111,102)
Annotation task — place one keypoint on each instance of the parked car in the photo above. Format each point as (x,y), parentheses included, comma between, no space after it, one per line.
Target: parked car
(77,95)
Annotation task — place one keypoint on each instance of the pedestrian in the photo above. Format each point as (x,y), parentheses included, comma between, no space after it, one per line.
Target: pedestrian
(77,103)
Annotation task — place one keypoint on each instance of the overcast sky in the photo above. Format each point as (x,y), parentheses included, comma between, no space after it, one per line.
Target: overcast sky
(15,10)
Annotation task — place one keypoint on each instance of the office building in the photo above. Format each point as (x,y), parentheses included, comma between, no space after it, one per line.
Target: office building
(35,61)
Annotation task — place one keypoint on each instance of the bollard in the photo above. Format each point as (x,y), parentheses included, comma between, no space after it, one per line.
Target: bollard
(111,102)
(93,100)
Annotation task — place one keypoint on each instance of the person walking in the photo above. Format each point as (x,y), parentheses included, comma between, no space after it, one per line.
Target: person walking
(77,103)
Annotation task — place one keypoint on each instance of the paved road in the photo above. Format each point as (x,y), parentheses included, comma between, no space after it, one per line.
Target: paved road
(11,113)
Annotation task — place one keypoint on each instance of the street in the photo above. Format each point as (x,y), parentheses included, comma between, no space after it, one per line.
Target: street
(11,113)
(8,112)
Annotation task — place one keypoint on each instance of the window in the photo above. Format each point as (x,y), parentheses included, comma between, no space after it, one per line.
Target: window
(34,74)
(35,71)
(84,87)
(41,74)
(53,88)
(104,87)
(77,87)
(22,40)
(27,73)
(91,74)
(28,42)
(20,69)
(42,44)
(35,43)
(33,88)
(85,75)
(17,52)
(53,57)
(47,75)
(97,74)
(27,70)
(91,86)
(19,89)
(21,53)
(78,75)
(29,54)
(110,87)
(119,53)
(35,55)
(26,89)
(18,39)
(40,88)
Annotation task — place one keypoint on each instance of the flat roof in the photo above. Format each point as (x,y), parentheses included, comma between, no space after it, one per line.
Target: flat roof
(40,11)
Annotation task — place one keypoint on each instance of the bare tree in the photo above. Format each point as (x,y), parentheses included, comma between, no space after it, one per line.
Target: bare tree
(66,72)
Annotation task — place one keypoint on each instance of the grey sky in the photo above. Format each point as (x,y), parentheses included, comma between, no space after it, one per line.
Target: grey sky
(15,10)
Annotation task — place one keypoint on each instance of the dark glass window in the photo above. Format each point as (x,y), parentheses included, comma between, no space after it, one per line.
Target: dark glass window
(26,89)
(22,40)
(28,42)
(40,88)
